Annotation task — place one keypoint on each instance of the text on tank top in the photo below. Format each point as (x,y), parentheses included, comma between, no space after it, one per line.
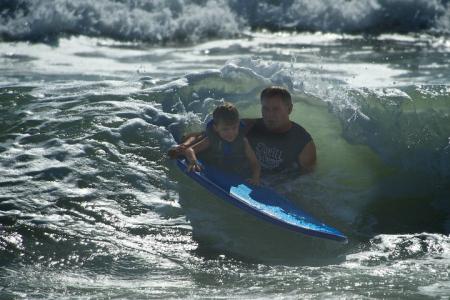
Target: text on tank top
(277,151)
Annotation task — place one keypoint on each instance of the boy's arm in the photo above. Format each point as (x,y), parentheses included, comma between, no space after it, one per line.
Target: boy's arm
(254,164)
(188,140)
(200,145)
(191,151)
(194,137)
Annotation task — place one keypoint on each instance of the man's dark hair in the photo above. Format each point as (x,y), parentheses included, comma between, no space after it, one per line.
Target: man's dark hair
(226,113)
(277,91)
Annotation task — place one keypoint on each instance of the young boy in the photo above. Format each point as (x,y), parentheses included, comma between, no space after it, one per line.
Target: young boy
(225,146)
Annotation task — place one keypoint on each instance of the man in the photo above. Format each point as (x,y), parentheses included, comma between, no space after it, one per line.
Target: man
(278,142)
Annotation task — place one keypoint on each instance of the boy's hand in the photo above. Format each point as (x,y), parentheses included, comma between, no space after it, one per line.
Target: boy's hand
(176,151)
(254,181)
(194,166)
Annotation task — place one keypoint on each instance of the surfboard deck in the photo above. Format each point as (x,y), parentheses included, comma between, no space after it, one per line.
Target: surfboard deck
(261,202)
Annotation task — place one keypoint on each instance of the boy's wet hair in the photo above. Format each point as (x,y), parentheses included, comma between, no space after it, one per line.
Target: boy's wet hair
(277,91)
(225,113)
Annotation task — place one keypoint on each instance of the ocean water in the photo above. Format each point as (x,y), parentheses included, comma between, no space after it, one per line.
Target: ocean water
(93,93)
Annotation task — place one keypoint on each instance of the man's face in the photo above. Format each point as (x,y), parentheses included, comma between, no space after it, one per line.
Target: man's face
(228,132)
(275,113)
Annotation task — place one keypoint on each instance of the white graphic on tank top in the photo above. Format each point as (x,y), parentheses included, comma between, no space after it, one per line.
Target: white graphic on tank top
(269,158)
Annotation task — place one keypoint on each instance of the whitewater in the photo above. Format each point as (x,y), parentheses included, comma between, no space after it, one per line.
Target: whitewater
(94,93)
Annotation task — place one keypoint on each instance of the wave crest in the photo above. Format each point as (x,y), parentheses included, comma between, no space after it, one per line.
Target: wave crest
(155,22)
(196,20)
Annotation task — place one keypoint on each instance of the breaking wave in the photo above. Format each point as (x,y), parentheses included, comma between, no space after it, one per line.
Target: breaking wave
(196,20)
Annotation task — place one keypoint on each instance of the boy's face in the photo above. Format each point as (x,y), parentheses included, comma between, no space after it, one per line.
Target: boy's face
(228,132)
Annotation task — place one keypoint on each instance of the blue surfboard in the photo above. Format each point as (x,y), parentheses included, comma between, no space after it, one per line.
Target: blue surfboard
(262,202)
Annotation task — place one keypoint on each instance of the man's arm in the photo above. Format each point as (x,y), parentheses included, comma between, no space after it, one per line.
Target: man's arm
(307,158)
(249,123)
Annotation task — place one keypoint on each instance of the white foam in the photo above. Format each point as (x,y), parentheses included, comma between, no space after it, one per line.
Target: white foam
(439,289)
(155,22)
(161,21)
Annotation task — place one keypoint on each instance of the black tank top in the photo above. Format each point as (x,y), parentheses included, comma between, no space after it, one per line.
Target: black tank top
(277,151)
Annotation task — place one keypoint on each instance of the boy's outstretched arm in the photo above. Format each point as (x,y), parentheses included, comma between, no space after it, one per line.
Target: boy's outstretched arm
(254,164)
(191,151)
(188,140)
